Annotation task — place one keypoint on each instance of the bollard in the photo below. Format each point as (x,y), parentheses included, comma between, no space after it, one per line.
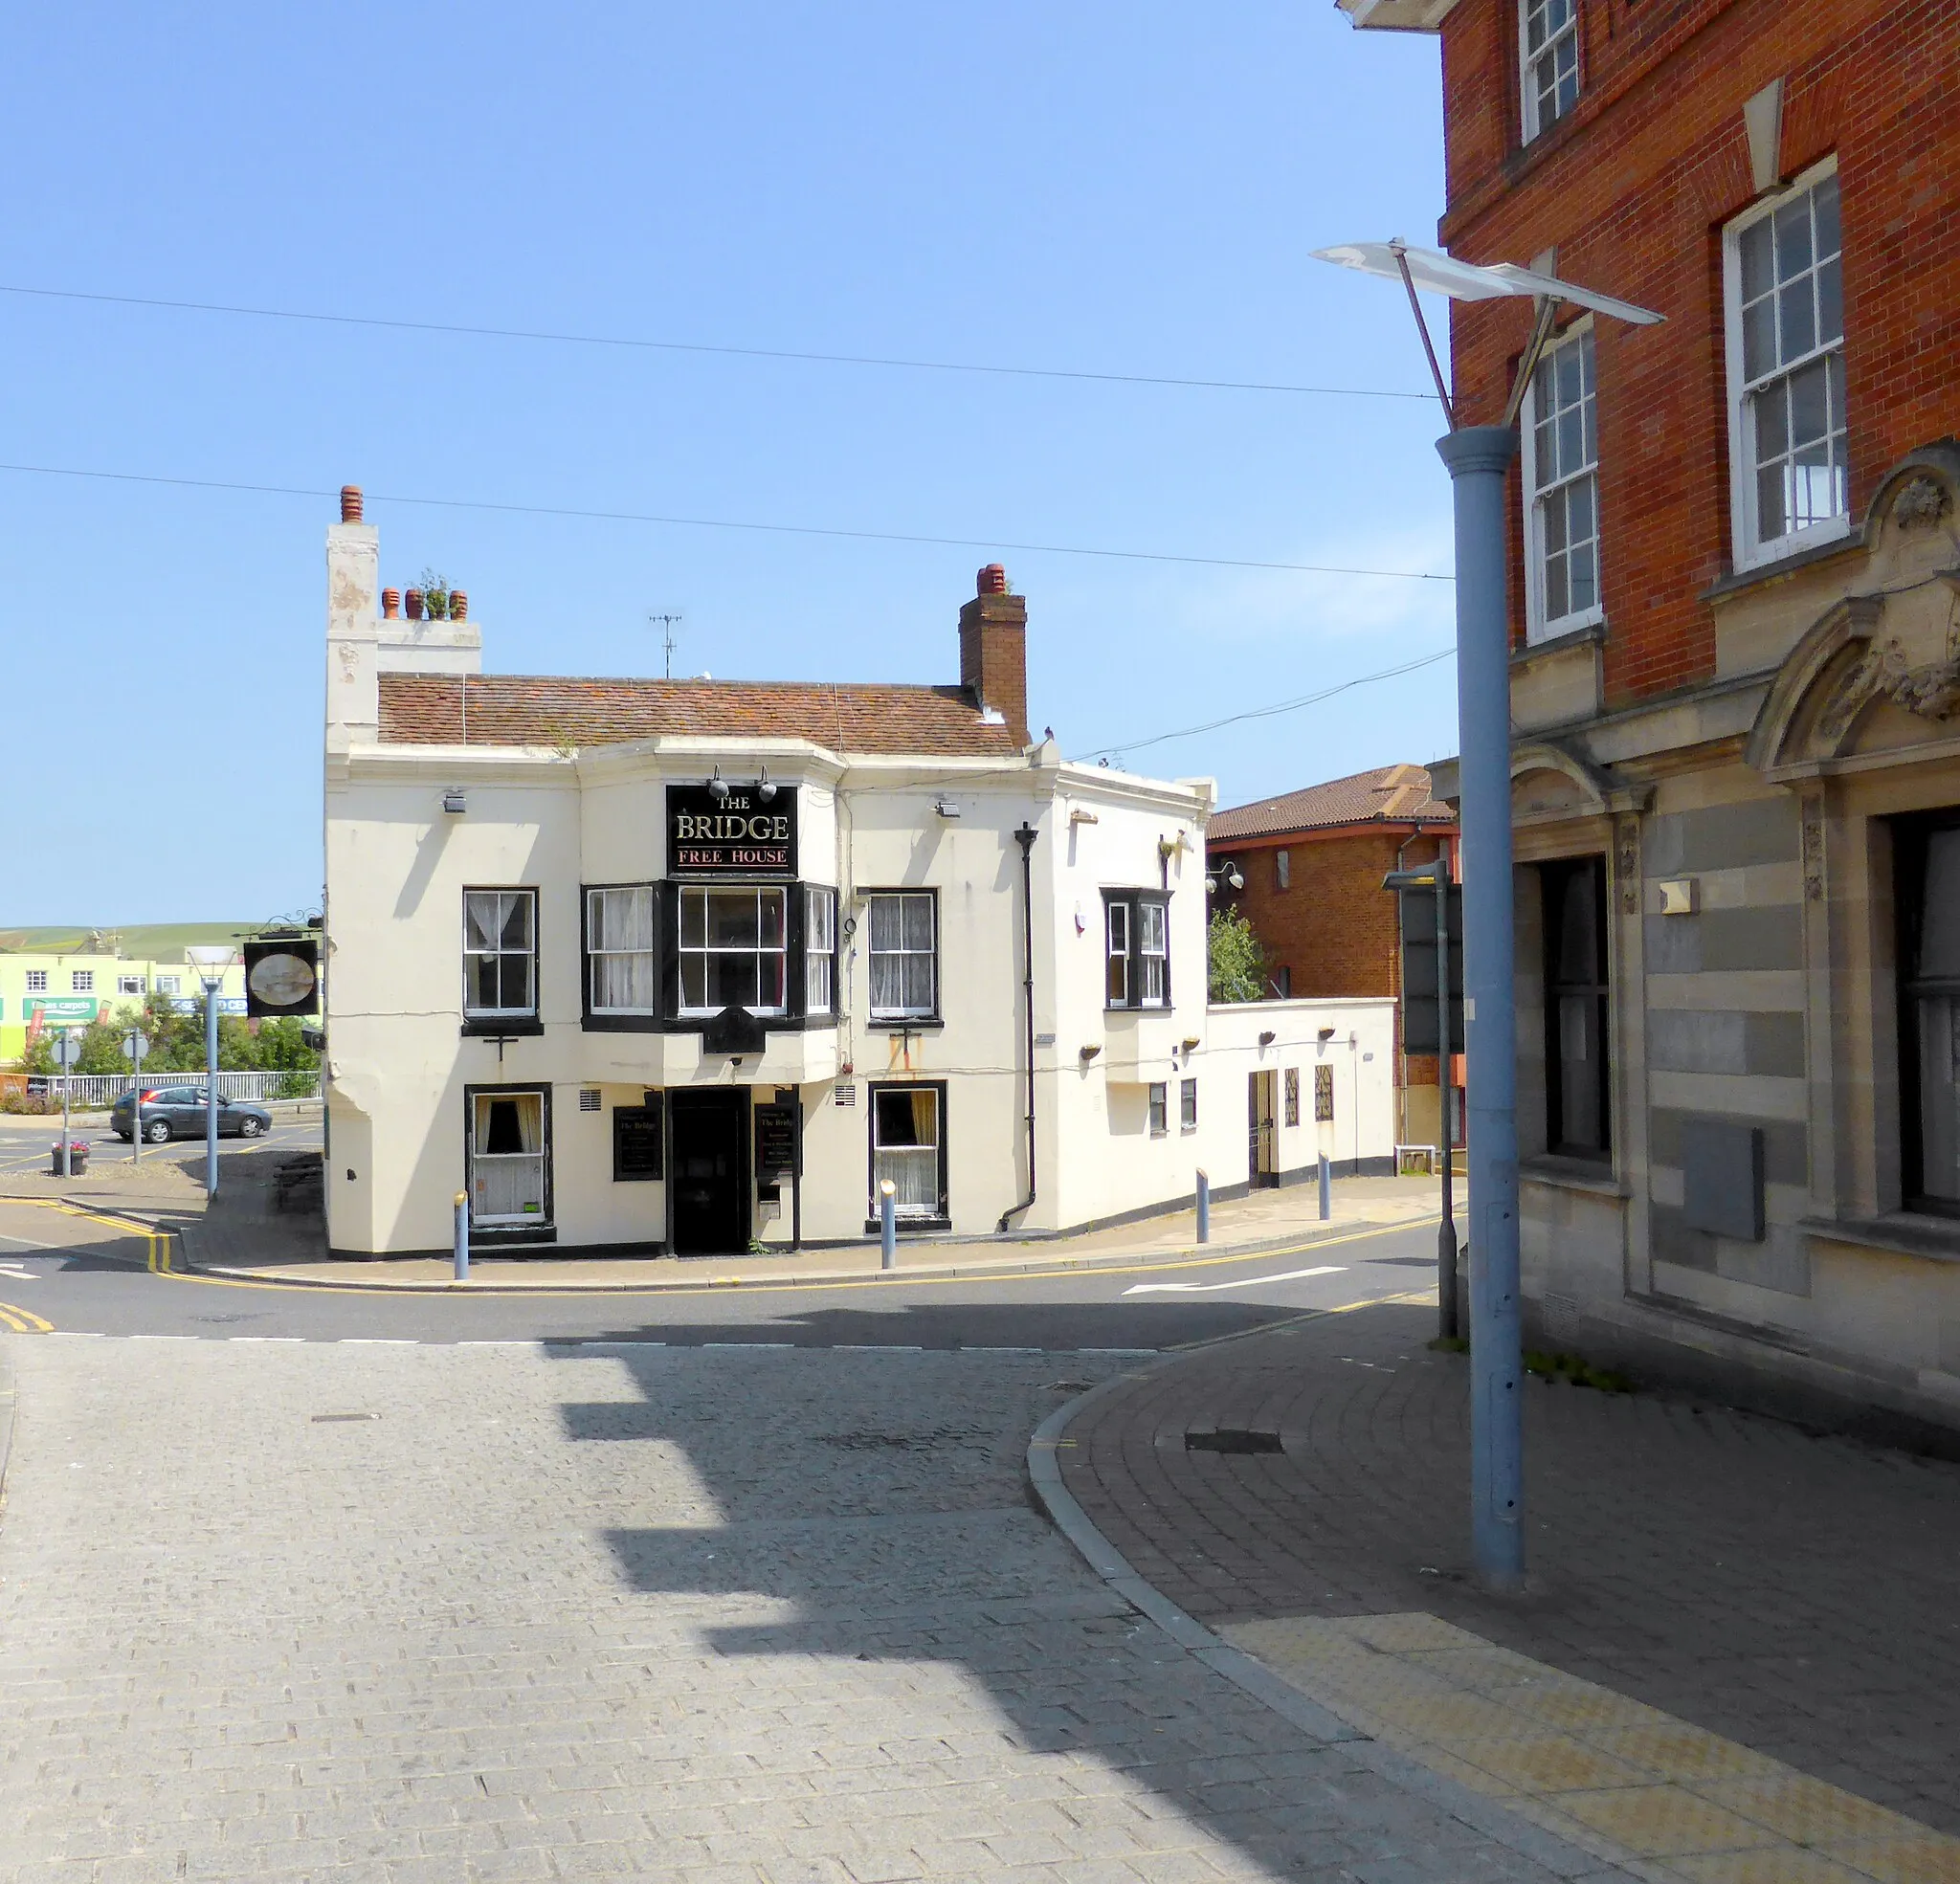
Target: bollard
(1326,1189)
(888,1224)
(1204,1209)
(462,1237)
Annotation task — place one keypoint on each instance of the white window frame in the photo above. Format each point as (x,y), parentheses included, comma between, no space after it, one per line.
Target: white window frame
(488,1167)
(471,1011)
(169,983)
(82,980)
(1750,547)
(903,1010)
(906,1165)
(597,896)
(684,951)
(1154,961)
(130,985)
(1187,1104)
(1117,918)
(37,981)
(1534,121)
(1539,624)
(820,950)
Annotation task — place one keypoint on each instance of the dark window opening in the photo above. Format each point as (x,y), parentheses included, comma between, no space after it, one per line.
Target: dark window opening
(1577,1107)
(1926,881)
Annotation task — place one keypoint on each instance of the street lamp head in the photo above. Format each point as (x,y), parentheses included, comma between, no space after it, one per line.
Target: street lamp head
(211,960)
(1441,273)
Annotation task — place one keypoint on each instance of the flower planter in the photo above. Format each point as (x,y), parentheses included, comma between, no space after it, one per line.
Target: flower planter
(78,1161)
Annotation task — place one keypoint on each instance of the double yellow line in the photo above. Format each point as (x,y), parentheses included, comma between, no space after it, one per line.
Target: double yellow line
(157,1253)
(23,1321)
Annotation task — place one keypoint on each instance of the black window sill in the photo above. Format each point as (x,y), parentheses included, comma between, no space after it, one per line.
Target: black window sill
(488,1236)
(509,1027)
(908,1226)
(1899,1233)
(1562,1172)
(1163,1007)
(906,1024)
(624,1024)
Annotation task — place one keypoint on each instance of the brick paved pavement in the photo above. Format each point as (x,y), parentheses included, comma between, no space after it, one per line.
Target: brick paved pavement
(368,1612)
(1794,1594)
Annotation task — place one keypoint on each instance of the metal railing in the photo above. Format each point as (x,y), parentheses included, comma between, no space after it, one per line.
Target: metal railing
(86,1090)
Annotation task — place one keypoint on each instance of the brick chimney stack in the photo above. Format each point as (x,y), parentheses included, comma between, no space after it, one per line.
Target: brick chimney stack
(994,649)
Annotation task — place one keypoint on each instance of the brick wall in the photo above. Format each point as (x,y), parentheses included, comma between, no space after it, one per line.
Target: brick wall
(1632,190)
(1335,926)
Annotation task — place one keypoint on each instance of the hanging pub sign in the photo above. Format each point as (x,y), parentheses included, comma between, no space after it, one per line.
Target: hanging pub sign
(749,833)
(281,976)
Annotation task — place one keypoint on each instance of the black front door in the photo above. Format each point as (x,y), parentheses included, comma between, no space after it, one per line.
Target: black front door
(708,1172)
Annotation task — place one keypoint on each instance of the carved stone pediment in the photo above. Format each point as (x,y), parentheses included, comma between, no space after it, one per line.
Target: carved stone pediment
(1550,784)
(1880,669)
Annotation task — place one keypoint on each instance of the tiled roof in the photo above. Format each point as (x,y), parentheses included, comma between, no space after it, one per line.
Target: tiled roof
(1389,795)
(522,709)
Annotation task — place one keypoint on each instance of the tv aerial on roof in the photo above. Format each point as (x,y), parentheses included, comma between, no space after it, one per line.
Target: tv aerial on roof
(1441,273)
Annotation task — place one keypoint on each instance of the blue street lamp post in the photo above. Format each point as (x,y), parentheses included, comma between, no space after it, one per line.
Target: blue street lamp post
(1479,459)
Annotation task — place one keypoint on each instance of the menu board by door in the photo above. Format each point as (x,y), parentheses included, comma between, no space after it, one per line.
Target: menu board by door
(637,1142)
(775,1139)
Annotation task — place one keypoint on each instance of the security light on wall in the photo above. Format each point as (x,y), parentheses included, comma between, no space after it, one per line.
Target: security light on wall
(946,808)
(766,786)
(717,786)
(453,802)
(1227,874)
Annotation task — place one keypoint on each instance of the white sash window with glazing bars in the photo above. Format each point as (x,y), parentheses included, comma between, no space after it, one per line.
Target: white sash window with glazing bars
(905,955)
(500,953)
(1785,373)
(1548,52)
(1562,476)
(619,949)
(507,1158)
(732,950)
(907,1147)
(820,950)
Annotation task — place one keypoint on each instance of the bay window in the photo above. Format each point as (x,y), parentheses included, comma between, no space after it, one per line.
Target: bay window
(1136,927)
(732,950)
(820,950)
(619,950)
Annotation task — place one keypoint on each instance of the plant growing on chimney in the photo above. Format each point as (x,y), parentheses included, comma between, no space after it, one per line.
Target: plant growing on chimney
(434,587)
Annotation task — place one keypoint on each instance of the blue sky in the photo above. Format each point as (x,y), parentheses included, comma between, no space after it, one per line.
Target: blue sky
(1115,189)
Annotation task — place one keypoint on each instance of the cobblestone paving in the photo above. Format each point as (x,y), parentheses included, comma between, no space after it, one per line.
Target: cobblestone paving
(1791,1593)
(364,1611)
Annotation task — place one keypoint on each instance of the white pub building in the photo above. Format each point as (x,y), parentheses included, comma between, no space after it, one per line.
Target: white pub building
(693,967)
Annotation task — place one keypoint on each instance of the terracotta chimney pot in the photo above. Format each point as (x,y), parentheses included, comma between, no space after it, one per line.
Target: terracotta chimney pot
(390,604)
(414,600)
(459,605)
(350,504)
(991,580)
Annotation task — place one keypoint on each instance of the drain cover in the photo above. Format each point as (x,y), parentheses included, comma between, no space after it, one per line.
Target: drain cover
(1231,1439)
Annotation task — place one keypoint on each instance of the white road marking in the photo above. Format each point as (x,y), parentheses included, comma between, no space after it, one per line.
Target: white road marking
(18,1273)
(1243,1282)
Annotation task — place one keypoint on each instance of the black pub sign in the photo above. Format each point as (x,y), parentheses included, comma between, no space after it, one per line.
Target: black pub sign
(743,834)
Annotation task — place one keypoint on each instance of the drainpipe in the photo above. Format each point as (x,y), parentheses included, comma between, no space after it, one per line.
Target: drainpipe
(1025,838)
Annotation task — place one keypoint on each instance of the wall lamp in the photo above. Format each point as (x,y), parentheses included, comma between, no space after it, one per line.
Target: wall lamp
(766,786)
(946,808)
(1227,874)
(717,786)
(453,802)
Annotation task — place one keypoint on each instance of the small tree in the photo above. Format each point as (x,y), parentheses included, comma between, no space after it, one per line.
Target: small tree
(1237,961)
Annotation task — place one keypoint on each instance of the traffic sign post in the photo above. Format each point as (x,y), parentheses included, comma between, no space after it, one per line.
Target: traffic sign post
(135,1045)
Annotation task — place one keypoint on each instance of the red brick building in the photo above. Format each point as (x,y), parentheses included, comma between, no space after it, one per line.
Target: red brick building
(1311,864)
(1736,677)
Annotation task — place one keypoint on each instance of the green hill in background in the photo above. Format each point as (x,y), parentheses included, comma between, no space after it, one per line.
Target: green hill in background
(135,942)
